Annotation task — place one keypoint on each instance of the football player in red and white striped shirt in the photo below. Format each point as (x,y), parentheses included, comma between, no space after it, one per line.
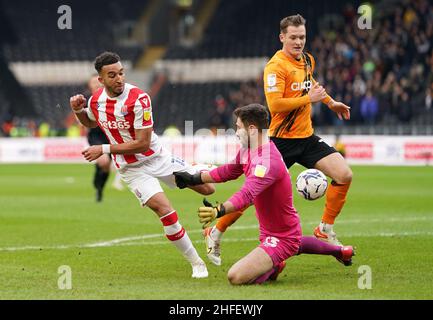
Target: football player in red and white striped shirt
(124,113)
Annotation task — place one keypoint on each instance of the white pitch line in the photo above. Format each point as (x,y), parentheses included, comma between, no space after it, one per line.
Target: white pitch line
(127,241)
(120,240)
(87,245)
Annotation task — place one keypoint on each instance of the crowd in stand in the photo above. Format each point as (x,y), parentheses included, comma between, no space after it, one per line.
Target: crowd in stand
(385,73)
(17,127)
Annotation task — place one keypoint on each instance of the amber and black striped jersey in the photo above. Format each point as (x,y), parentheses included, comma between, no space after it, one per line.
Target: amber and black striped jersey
(286,84)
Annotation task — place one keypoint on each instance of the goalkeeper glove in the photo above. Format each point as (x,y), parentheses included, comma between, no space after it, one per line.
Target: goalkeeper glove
(209,213)
(184,179)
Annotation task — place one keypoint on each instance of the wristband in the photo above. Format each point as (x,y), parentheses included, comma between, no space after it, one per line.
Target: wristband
(196,179)
(221,210)
(79,111)
(106,148)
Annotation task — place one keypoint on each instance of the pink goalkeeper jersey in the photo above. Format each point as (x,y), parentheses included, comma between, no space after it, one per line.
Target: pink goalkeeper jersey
(267,185)
(119,117)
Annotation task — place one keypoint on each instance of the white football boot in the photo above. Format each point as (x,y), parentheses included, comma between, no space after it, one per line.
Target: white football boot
(199,269)
(326,233)
(213,248)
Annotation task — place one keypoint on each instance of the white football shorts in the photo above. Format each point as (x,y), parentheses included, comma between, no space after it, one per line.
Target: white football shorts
(143,178)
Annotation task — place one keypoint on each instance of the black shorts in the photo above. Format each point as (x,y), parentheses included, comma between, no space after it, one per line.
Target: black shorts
(96,136)
(305,151)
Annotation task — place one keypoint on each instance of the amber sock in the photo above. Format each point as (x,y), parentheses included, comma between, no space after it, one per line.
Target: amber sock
(335,199)
(227,220)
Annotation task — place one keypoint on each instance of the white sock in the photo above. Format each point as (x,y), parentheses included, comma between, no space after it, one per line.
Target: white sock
(215,234)
(178,236)
(325,227)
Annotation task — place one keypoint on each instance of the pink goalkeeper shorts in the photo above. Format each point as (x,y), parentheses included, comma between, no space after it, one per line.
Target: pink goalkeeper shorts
(280,249)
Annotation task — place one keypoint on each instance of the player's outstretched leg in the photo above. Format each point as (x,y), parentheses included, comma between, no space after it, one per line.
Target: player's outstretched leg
(177,234)
(311,245)
(334,166)
(213,236)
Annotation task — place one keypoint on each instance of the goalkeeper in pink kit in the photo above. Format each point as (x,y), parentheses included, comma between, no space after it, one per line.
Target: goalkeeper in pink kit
(267,186)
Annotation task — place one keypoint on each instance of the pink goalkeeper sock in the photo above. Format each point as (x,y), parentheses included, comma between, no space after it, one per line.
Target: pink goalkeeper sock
(264,277)
(312,245)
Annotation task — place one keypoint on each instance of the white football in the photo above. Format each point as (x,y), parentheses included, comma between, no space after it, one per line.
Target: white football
(311,184)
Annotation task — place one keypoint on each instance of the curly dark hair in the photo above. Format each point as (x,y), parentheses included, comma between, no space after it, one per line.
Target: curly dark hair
(104,59)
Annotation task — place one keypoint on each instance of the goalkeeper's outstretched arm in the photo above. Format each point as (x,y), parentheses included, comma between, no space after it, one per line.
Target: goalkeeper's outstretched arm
(221,174)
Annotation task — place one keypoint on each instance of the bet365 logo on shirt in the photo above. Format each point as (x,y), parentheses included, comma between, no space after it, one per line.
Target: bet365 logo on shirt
(115,124)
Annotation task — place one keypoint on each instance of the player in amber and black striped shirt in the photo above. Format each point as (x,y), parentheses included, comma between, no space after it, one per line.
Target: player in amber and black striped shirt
(290,90)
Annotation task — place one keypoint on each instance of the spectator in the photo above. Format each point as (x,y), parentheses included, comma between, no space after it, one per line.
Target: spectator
(405,108)
(221,117)
(369,108)
(429,98)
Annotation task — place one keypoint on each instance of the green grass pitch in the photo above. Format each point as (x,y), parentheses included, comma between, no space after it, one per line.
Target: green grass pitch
(116,250)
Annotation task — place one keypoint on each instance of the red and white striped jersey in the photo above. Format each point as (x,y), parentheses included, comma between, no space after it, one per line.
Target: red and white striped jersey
(119,117)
